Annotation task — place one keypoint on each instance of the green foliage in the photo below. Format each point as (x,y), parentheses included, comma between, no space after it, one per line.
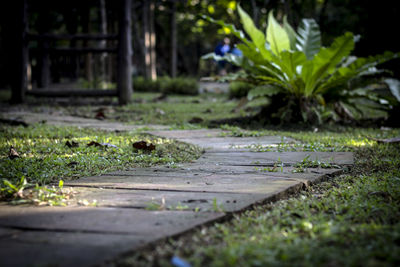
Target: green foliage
(305,80)
(10,190)
(180,85)
(238,89)
(167,85)
(141,84)
(394,87)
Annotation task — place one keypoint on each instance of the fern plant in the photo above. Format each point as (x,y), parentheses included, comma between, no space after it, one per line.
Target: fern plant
(304,80)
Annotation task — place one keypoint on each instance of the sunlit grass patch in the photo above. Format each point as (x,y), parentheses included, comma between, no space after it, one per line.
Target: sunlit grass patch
(44,156)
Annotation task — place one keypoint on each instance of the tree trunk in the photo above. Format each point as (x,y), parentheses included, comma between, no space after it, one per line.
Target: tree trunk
(174,54)
(103,43)
(44,59)
(147,40)
(124,76)
(138,42)
(153,60)
(86,27)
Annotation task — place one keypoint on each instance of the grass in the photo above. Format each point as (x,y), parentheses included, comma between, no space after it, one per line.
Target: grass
(351,220)
(45,157)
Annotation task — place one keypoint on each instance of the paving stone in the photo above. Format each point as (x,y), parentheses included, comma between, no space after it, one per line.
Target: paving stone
(197,170)
(271,158)
(103,220)
(7,232)
(250,183)
(49,248)
(192,134)
(211,140)
(171,200)
(85,236)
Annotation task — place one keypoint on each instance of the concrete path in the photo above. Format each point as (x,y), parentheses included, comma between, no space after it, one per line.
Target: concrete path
(142,205)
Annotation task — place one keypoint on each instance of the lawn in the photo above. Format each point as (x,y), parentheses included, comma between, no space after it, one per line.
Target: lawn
(351,220)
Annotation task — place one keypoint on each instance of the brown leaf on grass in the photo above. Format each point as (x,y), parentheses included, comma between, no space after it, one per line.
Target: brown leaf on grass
(143,145)
(12,154)
(385,141)
(196,120)
(100,115)
(72,144)
(93,143)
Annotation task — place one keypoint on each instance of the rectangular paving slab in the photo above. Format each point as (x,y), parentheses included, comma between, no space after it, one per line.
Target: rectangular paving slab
(194,170)
(75,236)
(271,158)
(171,200)
(250,183)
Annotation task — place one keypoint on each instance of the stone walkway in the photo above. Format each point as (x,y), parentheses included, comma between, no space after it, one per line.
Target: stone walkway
(227,178)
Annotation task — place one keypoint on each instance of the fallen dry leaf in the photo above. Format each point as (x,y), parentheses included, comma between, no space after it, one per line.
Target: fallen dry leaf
(100,115)
(71,144)
(12,154)
(93,143)
(143,145)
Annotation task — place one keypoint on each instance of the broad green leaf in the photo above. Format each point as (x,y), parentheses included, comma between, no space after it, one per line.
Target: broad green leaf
(394,86)
(325,62)
(289,61)
(290,32)
(309,38)
(358,67)
(263,90)
(257,59)
(255,34)
(231,58)
(277,36)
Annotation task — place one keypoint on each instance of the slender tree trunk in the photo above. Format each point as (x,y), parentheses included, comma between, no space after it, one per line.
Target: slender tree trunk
(86,29)
(138,42)
(44,58)
(174,54)
(124,79)
(153,59)
(103,43)
(147,40)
